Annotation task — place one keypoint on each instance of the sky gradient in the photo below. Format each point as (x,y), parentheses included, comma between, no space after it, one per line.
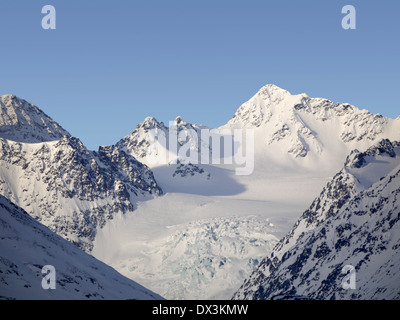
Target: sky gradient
(110,64)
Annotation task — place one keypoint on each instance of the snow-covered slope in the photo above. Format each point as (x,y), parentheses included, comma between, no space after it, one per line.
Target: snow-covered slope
(296,127)
(300,143)
(24,122)
(52,175)
(175,244)
(183,257)
(354,221)
(138,142)
(146,143)
(70,189)
(26,247)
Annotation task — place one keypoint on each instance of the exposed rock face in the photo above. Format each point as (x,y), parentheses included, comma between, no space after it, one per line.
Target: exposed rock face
(52,175)
(24,122)
(353,222)
(295,122)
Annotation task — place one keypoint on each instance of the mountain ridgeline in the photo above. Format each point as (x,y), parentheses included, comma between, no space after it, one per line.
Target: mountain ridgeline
(300,143)
(59,182)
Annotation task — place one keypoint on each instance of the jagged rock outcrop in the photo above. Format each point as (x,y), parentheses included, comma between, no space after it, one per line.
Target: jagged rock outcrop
(63,185)
(355,221)
(24,122)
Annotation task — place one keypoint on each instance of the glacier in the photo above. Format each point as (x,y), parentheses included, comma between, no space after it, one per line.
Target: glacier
(185,230)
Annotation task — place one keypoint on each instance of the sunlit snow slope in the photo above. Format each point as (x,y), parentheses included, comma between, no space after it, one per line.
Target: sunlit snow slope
(26,246)
(212,226)
(183,230)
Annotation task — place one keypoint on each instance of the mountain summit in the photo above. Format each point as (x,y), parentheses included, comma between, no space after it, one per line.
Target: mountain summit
(22,121)
(58,181)
(211,228)
(294,126)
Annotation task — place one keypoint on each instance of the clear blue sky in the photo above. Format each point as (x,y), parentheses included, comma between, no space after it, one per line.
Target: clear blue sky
(109,64)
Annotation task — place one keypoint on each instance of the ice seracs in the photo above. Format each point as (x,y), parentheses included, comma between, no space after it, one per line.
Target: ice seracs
(300,144)
(220,222)
(26,246)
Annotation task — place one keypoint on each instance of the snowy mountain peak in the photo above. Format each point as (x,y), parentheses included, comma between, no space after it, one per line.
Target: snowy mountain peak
(150,123)
(268,103)
(178,120)
(8,96)
(137,142)
(298,126)
(272,90)
(180,124)
(70,189)
(140,141)
(24,122)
